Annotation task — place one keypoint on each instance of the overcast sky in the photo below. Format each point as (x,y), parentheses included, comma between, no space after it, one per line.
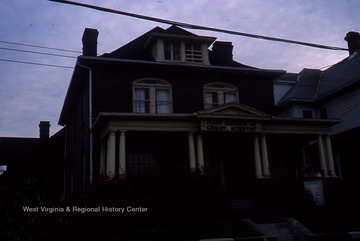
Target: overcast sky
(31,93)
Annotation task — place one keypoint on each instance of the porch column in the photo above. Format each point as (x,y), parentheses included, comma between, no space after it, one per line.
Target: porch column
(192,157)
(264,154)
(110,157)
(304,156)
(322,155)
(200,153)
(103,157)
(258,171)
(122,154)
(330,156)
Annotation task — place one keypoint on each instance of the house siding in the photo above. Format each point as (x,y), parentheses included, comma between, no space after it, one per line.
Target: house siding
(112,88)
(345,108)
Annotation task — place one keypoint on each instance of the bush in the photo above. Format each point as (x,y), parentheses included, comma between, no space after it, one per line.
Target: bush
(285,194)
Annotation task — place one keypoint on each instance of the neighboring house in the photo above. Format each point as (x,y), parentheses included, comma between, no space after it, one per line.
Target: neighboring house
(330,94)
(33,173)
(164,104)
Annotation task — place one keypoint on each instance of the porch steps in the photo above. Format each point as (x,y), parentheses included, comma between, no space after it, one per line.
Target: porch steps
(284,229)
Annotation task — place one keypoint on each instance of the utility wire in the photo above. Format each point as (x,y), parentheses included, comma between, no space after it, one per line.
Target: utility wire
(193,26)
(35,52)
(38,46)
(33,63)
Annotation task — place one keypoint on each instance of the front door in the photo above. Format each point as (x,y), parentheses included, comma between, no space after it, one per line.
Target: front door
(230,159)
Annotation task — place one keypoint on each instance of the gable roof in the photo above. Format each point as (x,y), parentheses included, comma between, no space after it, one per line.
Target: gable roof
(233,109)
(315,85)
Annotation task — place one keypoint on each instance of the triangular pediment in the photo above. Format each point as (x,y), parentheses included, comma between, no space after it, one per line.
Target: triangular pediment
(235,109)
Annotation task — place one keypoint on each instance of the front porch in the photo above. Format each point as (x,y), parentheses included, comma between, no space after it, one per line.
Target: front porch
(233,144)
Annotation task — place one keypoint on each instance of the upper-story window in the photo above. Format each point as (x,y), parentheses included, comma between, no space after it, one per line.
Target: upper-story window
(193,53)
(152,96)
(181,51)
(307,114)
(172,51)
(219,93)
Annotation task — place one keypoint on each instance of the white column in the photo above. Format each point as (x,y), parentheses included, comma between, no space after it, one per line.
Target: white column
(110,157)
(330,156)
(258,171)
(103,157)
(200,153)
(192,157)
(122,154)
(264,154)
(322,155)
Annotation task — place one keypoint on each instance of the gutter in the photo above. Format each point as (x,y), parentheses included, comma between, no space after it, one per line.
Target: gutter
(90,121)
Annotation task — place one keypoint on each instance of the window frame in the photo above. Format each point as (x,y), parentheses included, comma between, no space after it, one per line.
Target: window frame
(192,54)
(152,105)
(220,93)
(142,164)
(174,51)
(180,51)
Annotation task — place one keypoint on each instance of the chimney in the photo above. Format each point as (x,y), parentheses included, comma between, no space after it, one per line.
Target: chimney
(44,129)
(222,52)
(89,41)
(353,39)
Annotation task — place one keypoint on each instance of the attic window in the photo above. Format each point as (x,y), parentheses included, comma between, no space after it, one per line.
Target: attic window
(172,51)
(193,53)
(182,52)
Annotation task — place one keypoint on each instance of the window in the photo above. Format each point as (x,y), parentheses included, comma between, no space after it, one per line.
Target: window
(307,114)
(141,164)
(172,51)
(193,53)
(323,113)
(219,93)
(180,51)
(152,96)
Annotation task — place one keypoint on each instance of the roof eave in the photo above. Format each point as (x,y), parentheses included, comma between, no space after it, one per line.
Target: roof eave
(185,64)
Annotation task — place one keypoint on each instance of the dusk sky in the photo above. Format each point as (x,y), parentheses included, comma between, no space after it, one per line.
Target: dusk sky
(31,93)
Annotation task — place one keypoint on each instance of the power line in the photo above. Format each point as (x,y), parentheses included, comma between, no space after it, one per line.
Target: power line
(193,26)
(38,46)
(33,63)
(35,52)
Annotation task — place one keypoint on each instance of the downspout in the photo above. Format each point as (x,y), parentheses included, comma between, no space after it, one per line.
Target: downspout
(90,121)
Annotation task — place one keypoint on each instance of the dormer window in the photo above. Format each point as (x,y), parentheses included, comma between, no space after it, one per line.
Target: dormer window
(193,53)
(172,51)
(178,45)
(181,51)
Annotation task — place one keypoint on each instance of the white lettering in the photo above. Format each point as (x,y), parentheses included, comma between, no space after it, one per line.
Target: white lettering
(112,210)
(31,209)
(136,210)
(86,210)
(52,210)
